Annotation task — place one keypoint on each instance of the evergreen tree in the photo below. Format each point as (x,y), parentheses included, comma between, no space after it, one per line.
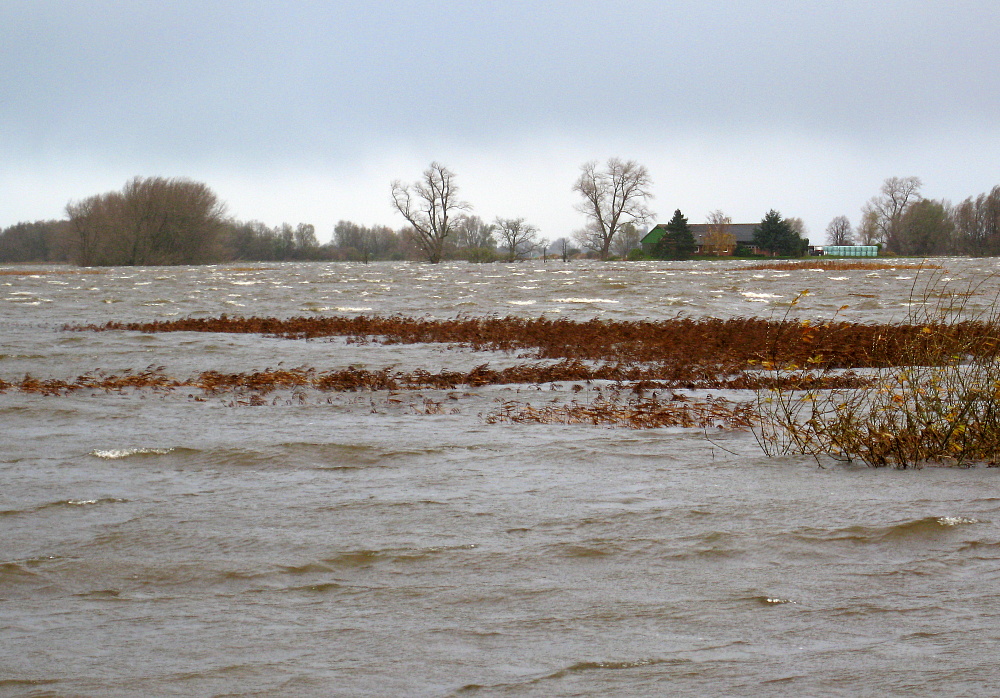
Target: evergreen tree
(677,241)
(776,235)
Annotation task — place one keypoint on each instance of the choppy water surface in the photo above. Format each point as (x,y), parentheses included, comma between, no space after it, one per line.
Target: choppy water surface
(151,544)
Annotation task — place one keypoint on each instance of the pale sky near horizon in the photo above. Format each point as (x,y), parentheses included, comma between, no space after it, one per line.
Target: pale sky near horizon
(306,111)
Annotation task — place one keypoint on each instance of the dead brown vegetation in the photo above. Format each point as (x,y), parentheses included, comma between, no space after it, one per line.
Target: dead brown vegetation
(631,412)
(926,389)
(684,349)
(640,379)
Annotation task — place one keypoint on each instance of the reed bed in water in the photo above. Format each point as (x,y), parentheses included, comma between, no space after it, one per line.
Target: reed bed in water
(929,392)
(630,412)
(640,379)
(686,348)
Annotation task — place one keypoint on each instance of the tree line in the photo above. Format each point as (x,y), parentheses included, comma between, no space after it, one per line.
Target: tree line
(160,221)
(903,222)
(157,221)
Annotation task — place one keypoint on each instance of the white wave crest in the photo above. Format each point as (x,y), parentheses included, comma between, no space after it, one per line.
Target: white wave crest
(955,520)
(583,300)
(117,453)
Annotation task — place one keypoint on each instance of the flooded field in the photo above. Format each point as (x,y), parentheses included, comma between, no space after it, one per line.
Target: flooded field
(402,542)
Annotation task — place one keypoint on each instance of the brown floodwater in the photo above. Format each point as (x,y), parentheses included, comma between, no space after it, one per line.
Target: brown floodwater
(166,543)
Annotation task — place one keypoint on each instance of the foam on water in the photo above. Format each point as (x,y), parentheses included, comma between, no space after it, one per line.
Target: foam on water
(584,300)
(956,520)
(119,453)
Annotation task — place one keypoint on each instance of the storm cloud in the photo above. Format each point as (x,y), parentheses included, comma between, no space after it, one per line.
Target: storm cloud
(306,111)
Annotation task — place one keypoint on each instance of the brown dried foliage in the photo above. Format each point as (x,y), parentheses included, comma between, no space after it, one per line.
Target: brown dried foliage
(686,349)
(633,413)
(640,380)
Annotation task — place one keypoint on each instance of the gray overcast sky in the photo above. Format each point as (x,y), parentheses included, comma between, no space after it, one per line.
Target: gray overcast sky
(305,111)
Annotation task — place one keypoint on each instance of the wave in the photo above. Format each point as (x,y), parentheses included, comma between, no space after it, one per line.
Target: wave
(27,683)
(317,455)
(710,544)
(119,453)
(14,572)
(770,600)
(579,668)
(63,503)
(321,588)
(99,594)
(956,521)
(356,559)
(758,297)
(583,300)
(584,550)
(610,666)
(927,527)
(346,456)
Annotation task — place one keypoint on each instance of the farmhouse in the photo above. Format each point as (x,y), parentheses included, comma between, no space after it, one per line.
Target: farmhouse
(708,241)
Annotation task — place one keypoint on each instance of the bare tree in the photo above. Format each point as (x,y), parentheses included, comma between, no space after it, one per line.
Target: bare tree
(38,241)
(718,240)
(428,205)
(867,232)
(361,243)
(305,236)
(798,227)
(150,221)
(929,229)
(473,232)
(563,248)
(887,209)
(627,239)
(839,232)
(611,197)
(589,237)
(87,225)
(719,221)
(518,237)
(977,224)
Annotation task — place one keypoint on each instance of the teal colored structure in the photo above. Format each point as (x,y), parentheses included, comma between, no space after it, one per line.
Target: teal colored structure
(850,251)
